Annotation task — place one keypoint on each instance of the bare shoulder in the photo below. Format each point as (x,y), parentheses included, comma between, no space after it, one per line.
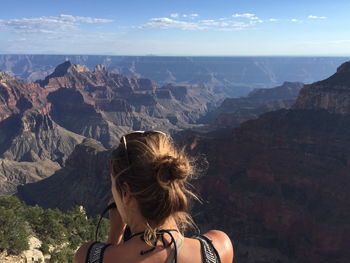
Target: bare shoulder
(80,255)
(108,255)
(223,245)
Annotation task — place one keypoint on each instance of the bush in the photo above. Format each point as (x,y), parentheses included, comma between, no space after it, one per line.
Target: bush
(64,231)
(14,232)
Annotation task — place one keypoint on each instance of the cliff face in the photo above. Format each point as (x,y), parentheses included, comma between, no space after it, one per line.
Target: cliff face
(332,94)
(281,186)
(85,179)
(13,173)
(32,136)
(234,111)
(17,97)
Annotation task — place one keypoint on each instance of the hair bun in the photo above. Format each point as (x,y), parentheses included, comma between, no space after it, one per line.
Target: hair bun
(170,168)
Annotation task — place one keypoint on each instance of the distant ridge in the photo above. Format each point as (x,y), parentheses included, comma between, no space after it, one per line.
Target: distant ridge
(235,76)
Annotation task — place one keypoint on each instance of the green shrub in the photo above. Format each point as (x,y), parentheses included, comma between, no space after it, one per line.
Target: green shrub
(64,231)
(14,232)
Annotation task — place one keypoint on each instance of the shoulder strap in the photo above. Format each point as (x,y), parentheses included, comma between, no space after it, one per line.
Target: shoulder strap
(95,252)
(174,252)
(209,253)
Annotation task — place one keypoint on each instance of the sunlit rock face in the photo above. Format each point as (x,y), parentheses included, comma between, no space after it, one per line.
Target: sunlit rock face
(101,104)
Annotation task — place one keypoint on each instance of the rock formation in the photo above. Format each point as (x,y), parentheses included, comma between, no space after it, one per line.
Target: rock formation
(101,104)
(85,179)
(332,94)
(234,111)
(45,120)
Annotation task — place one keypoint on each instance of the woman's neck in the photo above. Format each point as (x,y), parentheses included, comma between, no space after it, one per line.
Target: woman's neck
(141,225)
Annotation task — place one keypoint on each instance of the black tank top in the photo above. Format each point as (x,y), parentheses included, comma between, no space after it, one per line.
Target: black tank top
(208,251)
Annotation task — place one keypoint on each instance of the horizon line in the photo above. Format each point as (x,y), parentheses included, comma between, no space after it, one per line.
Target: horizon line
(172,55)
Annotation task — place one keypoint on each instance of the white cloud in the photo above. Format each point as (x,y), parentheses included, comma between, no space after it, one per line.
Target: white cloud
(273,20)
(245,15)
(84,19)
(167,23)
(47,24)
(316,17)
(177,15)
(221,24)
(294,20)
(210,22)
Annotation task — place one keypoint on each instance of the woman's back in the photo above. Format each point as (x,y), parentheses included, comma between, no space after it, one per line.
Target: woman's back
(212,247)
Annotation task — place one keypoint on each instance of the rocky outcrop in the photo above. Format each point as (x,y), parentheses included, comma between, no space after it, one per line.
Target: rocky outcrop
(332,94)
(17,97)
(14,173)
(32,136)
(85,179)
(234,111)
(33,254)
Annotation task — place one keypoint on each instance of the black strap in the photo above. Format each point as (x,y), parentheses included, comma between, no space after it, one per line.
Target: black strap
(95,252)
(160,234)
(110,206)
(209,253)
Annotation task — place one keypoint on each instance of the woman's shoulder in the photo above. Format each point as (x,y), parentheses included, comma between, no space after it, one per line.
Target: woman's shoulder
(100,250)
(92,251)
(222,243)
(81,253)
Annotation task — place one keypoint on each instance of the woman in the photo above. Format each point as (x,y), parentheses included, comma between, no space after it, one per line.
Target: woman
(149,186)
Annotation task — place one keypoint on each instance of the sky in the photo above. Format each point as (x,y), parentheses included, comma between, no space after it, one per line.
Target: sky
(176,28)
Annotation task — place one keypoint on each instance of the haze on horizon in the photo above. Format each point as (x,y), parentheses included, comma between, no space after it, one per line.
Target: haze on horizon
(162,27)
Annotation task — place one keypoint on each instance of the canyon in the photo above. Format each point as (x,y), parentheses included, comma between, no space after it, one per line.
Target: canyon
(278,174)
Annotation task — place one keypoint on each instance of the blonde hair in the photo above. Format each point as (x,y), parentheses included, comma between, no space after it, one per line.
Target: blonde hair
(157,174)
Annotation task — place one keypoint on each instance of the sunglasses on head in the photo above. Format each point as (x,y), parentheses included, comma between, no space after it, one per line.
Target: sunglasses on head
(134,135)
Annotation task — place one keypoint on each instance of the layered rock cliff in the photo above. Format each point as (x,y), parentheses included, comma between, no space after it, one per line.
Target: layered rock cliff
(90,103)
(332,94)
(13,173)
(234,111)
(85,179)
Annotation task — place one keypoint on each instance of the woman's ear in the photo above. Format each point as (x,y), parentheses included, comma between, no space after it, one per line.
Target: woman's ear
(126,194)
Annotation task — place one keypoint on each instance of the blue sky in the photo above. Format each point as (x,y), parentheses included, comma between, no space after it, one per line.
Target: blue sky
(162,27)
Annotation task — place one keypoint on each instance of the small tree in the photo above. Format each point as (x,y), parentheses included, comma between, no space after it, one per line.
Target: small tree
(14,232)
